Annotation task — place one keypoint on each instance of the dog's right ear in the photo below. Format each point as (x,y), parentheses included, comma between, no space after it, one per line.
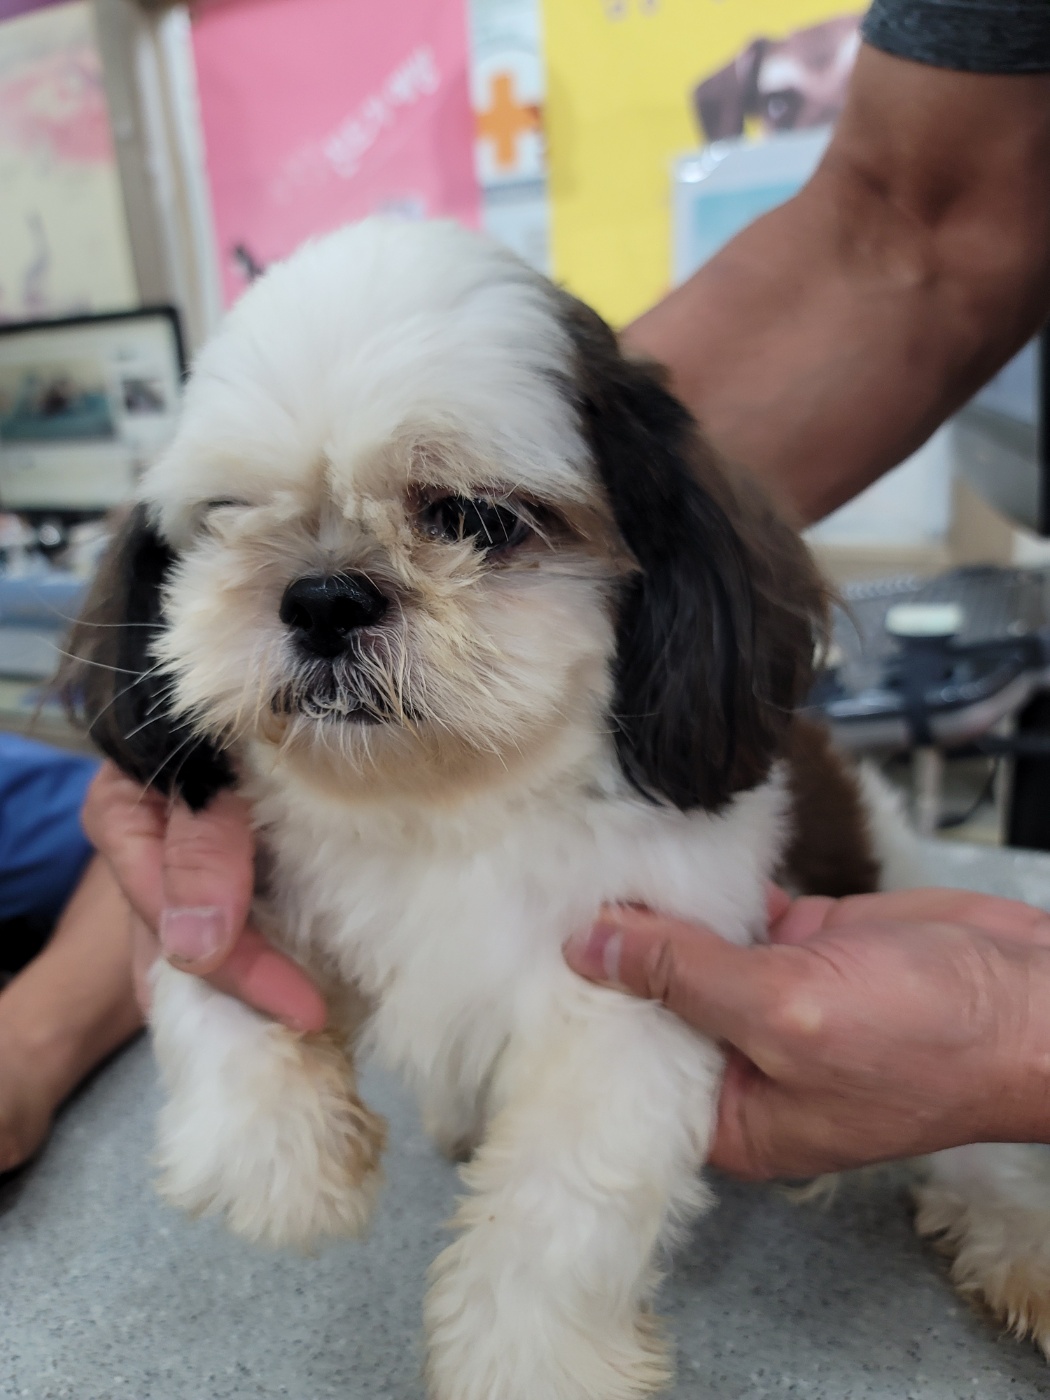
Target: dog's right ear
(112,683)
(716,623)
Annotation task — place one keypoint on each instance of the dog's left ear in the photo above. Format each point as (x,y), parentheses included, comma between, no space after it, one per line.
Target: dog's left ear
(112,683)
(717,625)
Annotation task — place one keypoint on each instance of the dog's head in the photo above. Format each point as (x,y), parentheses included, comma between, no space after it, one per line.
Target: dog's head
(424,527)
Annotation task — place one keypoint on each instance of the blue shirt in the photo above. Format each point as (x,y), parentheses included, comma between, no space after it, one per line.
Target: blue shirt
(43,850)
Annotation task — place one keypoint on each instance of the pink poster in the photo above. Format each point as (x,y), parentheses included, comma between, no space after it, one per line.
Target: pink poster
(316,112)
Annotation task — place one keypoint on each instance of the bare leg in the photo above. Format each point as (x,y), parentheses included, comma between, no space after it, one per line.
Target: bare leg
(64,1013)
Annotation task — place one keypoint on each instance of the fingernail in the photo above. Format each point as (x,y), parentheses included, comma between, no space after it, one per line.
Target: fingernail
(596,953)
(191,935)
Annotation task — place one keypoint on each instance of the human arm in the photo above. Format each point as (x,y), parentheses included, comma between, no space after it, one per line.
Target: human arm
(870,1028)
(190,877)
(64,1012)
(828,340)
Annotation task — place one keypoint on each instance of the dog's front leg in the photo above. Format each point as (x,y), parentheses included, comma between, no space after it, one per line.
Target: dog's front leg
(602,1120)
(262,1126)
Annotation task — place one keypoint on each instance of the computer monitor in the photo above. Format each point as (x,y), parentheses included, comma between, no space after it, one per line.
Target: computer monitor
(86,403)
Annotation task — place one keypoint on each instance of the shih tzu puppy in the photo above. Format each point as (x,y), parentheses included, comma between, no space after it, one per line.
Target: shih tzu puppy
(457,596)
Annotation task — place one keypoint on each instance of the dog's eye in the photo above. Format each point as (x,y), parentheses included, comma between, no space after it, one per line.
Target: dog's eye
(223,503)
(205,511)
(485,523)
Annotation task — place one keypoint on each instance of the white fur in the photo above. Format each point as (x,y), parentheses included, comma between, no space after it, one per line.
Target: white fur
(253,1111)
(374,333)
(988,1206)
(898,847)
(437,867)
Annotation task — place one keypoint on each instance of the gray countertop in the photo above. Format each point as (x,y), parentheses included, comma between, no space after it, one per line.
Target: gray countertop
(106,1293)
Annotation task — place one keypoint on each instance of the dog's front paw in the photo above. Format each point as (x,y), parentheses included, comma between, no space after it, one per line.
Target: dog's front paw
(493,1334)
(262,1127)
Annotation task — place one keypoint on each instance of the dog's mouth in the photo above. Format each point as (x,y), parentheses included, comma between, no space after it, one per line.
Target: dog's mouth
(314,708)
(321,694)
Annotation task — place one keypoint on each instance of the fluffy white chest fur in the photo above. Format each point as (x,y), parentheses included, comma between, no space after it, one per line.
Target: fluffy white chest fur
(451,919)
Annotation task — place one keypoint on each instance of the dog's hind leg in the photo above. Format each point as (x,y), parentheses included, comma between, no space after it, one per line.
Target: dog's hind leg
(988,1206)
(262,1126)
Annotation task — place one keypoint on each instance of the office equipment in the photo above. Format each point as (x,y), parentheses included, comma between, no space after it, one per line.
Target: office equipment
(958,664)
(1003,451)
(891,683)
(36,610)
(86,403)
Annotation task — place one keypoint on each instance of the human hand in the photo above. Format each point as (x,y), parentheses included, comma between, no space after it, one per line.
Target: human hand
(870,1028)
(188,878)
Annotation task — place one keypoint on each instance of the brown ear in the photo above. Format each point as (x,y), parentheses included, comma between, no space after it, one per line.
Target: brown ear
(716,629)
(112,683)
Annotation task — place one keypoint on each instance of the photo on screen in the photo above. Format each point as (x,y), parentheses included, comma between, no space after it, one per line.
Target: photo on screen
(57,402)
(143,394)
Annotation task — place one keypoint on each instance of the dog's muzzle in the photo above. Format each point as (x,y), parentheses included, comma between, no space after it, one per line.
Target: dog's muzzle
(328,615)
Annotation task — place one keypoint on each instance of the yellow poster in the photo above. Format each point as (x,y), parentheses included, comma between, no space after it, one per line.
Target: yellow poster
(633,84)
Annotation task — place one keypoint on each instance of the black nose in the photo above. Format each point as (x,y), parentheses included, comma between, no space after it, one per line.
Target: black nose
(325,611)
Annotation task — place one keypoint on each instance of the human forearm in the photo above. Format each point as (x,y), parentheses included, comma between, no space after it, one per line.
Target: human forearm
(828,340)
(64,1013)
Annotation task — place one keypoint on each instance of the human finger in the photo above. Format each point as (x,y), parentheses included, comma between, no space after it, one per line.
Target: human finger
(162,853)
(764,1131)
(778,902)
(125,823)
(717,987)
(208,878)
(1002,918)
(256,973)
(801,919)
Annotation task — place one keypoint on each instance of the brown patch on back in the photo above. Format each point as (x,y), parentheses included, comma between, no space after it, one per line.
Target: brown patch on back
(831,850)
